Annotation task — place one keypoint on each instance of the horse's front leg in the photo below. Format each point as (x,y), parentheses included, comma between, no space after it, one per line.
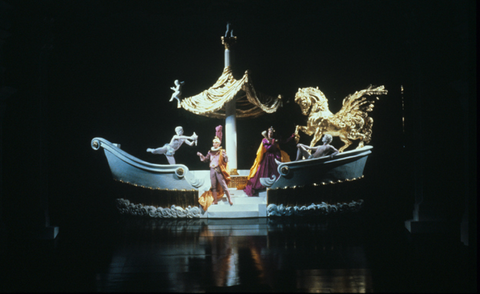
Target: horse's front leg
(297,132)
(317,136)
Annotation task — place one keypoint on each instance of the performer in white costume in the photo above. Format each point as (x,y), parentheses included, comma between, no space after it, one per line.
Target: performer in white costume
(318,151)
(177,141)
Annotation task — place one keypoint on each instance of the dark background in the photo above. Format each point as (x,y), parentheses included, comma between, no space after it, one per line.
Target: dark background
(85,69)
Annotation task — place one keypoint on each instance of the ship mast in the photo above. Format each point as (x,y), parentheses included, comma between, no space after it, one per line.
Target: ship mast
(230,109)
(221,100)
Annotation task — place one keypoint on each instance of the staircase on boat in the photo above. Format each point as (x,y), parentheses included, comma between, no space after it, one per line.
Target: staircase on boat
(243,206)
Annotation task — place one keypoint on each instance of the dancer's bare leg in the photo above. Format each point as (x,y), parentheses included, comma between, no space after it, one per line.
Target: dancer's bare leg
(228,196)
(214,197)
(171,159)
(224,187)
(301,152)
(160,150)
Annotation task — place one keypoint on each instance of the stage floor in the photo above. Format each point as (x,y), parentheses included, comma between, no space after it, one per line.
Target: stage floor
(128,254)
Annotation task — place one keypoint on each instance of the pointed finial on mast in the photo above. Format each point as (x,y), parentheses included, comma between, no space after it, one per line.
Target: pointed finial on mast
(228,29)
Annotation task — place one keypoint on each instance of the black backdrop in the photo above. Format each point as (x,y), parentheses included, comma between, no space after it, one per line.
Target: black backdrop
(85,69)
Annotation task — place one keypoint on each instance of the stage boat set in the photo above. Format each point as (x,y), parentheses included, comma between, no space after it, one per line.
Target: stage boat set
(310,186)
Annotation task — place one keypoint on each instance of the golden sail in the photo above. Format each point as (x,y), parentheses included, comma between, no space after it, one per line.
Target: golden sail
(249,104)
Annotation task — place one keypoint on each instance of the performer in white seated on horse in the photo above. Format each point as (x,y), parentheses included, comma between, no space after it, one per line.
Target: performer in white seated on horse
(177,141)
(304,151)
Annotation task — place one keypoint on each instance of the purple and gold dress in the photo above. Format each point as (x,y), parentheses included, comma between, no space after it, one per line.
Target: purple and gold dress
(264,165)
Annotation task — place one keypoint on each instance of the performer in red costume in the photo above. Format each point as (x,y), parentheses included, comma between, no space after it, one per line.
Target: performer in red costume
(265,165)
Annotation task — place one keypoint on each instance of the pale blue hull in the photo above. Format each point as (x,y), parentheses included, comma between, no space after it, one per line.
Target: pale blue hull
(345,166)
(126,168)
(129,169)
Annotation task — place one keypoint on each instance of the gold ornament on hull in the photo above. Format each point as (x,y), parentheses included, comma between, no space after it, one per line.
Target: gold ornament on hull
(350,123)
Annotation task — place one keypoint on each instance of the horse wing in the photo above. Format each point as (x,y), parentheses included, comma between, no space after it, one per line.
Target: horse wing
(361,101)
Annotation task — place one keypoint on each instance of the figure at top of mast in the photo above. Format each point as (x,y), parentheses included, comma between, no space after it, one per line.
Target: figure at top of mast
(228,29)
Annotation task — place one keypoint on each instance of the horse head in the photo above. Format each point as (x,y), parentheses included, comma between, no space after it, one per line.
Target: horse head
(311,100)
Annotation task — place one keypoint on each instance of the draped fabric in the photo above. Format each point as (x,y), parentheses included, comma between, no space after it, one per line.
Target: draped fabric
(284,157)
(253,170)
(211,102)
(264,166)
(207,197)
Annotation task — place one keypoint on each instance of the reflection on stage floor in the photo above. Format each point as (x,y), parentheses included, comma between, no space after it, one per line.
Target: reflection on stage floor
(242,254)
(129,254)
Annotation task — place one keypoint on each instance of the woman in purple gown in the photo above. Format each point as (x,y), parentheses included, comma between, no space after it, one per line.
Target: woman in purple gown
(265,165)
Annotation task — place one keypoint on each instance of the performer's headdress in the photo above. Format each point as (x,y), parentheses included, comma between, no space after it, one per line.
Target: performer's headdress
(218,134)
(265,133)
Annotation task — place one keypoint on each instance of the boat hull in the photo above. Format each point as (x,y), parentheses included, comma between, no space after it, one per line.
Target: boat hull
(345,166)
(278,200)
(129,169)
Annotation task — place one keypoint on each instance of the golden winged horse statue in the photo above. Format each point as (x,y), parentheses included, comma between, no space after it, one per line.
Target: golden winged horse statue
(350,123)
